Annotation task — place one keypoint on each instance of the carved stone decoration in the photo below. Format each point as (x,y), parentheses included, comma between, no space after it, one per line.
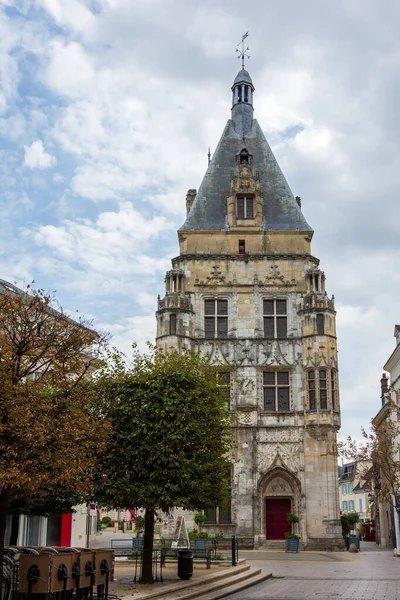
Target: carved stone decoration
(280,435)
(244,180)
(216,276)
(278,486)
(275,353)
(217,355)
(289,454)
(275,279)
(246,353)
(247,387)
(247,417)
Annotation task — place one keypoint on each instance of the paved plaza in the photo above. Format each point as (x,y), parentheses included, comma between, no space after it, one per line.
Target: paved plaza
(373,574)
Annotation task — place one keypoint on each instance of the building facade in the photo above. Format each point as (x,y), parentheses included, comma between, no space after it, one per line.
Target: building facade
(246,290)
(387,518)
(355,490)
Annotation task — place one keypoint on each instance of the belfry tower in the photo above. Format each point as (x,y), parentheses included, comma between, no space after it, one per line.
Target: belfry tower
(246,290)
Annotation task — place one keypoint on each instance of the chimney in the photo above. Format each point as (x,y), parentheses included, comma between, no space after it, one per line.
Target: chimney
(298,200)
(384,387)
(190,196)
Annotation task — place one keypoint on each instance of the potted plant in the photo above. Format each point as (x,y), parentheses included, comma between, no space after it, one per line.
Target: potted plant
(292,540)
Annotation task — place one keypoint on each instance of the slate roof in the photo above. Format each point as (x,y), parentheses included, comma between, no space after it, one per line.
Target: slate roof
(209,209)
(242,77)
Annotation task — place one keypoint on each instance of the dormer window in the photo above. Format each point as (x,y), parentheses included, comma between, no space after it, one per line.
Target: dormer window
(244,157)
(245,207)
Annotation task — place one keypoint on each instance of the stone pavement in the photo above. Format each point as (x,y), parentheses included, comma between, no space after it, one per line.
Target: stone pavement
(373,574)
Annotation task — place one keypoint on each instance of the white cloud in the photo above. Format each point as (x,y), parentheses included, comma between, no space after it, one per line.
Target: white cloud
(114,245)
(36,157)
(129,102)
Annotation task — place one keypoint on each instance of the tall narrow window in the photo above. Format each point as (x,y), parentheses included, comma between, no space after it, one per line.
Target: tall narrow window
(312,398)
(246,93)
(242,247)
(323,398)
(317,386)
(221,514)
(276,391)
(216,318)
(275,319)
(320,324)
(172,324)
(224,381)
(245,207)
(333,390)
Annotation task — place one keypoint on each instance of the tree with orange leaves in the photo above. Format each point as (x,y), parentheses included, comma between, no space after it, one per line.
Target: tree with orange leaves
(50,428)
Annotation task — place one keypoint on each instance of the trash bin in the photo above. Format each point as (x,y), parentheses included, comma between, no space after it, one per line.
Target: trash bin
(185,564)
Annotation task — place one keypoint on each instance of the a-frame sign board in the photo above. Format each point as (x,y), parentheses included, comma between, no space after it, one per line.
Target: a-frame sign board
(181,538)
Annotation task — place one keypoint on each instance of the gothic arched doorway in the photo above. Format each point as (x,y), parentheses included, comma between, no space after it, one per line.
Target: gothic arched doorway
(278,495)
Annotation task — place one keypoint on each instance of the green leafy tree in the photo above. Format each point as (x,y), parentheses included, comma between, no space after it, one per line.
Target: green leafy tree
(50,429)
(170,437)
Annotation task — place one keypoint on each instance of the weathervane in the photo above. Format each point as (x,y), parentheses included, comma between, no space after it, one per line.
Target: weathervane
(243,52)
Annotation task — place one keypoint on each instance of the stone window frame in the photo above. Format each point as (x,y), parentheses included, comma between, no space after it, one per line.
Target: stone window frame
(172,324)
(334,390)
(327,388)
(200,312)
(246,198)
(218,317)
(265,295)
(275,315)
(320,322)
(276,386)
(217,509)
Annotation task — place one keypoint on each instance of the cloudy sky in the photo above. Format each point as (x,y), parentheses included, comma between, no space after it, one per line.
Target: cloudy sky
(108,107)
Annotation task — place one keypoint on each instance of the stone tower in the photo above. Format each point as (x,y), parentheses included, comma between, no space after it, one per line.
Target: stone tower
(246,290)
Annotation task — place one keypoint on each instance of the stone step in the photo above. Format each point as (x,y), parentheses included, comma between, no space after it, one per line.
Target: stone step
(198,582)
(272,545)
(218,588)
(256,576)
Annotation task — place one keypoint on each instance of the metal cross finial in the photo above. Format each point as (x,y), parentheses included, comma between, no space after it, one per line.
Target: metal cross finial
(243,52)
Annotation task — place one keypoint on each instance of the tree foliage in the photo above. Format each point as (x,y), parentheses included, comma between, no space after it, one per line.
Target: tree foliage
(377,455)
(50,430)
(170,436)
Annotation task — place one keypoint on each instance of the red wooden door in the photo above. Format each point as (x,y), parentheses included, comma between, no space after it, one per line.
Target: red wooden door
(276,510)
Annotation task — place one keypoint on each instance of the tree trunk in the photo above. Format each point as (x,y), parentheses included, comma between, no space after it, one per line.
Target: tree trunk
(3,521)
(147,569)
(14,529)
